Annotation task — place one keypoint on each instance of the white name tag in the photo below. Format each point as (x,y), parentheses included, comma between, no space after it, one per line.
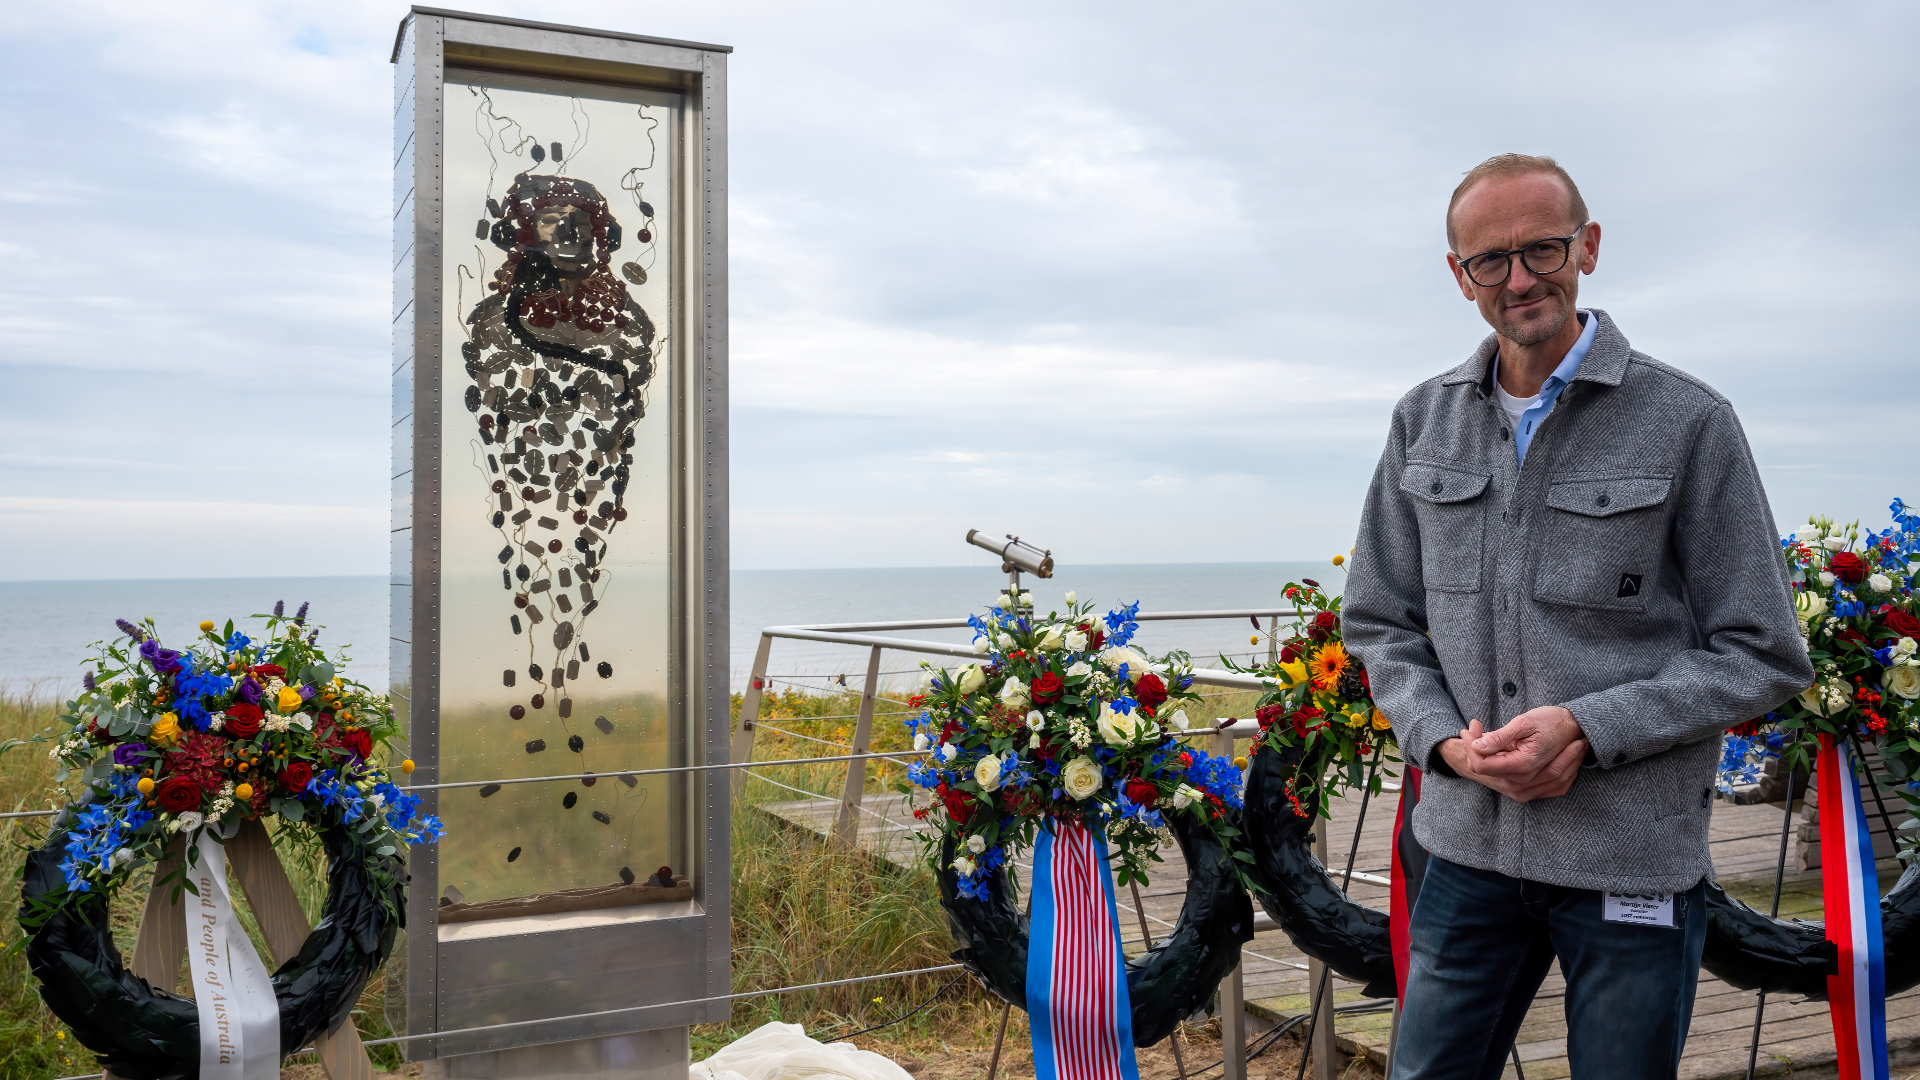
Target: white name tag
(1638,910)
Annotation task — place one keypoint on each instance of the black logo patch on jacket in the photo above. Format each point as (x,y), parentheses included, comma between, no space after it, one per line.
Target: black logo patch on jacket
(1629,585)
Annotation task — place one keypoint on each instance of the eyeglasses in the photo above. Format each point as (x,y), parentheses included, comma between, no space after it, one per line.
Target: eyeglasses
(1542,257)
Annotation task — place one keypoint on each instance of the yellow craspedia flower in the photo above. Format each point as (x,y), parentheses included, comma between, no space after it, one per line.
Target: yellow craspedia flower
(243,792)
(406,766)
(1254,640)
(165,731)
(288,699)
(1339,560)
(1380,721)
(1356,720)
(145,786)
(206,626)
(1240,763)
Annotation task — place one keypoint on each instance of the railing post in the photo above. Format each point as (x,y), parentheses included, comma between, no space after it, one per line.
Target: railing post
(1233,1002)
(742,749)
(1322,1046)
(846,830)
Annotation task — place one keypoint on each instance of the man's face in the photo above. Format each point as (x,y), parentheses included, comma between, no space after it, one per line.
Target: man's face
(564,235)
(1505,213)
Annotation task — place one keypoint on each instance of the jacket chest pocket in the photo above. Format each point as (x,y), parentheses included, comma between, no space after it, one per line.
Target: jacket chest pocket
(1602,542)
(1451,506)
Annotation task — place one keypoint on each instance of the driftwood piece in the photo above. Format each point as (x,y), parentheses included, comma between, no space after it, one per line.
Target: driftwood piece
(603,896)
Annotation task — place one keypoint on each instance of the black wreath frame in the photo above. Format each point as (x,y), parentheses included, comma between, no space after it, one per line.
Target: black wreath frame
(1171,982)
(1744,948)
(142,1033)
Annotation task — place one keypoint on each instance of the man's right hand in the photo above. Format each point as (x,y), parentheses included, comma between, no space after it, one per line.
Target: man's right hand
(1556,777)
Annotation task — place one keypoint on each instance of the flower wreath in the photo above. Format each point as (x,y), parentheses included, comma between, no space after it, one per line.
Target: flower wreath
(163,744)
(1062,717)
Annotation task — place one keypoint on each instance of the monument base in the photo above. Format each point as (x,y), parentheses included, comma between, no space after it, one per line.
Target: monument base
(638,1055)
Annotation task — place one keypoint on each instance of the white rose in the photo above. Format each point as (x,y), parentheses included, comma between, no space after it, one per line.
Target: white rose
(1905,647)
(947,752)
(921,742)
(1811,605)
(1014,694)
(1079,669)
(1081,778)
(976,843)
(1003,601)
(1036,719)
(1053,637)
(1077,640)
(972,678)
(1835,543)
(1117,728)
(1903,680)
(1185,795)
(1879,583)
(980,644)
(1179,719)
(1826,580)
(120,858)
(1136,664)
(986,773)
(1071,597)
(189,821)
(963,866)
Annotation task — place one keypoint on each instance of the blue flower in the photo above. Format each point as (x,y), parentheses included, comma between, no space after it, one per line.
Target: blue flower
(238,641)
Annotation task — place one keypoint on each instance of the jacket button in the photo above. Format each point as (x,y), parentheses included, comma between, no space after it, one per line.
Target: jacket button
(1504,435)
(1436,487)
(1601,501)
(1509,689)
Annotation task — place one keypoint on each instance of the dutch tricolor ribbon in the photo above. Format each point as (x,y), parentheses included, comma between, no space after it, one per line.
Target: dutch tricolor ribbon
(1857,996)
(1409,870)
(1077,1001)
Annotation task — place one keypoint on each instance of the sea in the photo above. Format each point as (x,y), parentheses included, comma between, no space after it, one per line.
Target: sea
(47,627)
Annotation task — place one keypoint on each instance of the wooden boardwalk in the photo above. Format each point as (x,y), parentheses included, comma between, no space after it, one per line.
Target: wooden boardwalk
(1797,1039)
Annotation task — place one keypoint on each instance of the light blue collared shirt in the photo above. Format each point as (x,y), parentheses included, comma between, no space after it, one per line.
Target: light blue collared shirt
(1529,421)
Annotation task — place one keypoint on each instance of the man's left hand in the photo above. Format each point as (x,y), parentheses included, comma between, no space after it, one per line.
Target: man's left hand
(1529,743)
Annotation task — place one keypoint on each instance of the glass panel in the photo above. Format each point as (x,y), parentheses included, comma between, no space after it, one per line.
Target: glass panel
(557,515)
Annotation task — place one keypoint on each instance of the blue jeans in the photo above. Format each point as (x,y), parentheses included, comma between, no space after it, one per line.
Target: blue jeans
(1482,944)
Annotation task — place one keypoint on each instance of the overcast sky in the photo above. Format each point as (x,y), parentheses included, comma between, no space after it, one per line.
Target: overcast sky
(1141,282)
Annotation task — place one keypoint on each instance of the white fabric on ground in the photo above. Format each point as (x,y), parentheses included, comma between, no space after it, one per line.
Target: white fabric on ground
(783,1052)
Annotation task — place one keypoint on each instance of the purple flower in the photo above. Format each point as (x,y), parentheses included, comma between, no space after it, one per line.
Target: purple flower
(313,637)
(128,753)
(306,693)
(86,680)
(279,609)
(300,617)
(130,630)
(250,691)
(164,661)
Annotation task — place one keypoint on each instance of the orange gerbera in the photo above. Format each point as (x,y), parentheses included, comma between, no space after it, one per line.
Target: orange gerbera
(1328,665)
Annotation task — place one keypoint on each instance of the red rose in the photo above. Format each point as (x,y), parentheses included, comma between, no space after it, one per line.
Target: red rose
(1289,653)
(1848,633)
(1747,729)
(179,794)
(1046,689)
(359,742)
(1324,624)
(959,803)
(243,721)
(1142,792)
(1023,801)
(1847,567)
(1267,714)
(1302,721)
(1149,690)
(1903,624)
(295,776)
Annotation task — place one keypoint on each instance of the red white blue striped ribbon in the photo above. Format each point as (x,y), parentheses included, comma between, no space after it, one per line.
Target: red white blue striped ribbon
(1077,1003)
(1857,996)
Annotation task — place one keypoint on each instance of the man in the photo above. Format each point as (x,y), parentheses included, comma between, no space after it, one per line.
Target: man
(1567,584)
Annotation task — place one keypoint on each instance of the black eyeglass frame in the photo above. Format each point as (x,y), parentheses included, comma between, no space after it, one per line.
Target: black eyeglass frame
(1506,259)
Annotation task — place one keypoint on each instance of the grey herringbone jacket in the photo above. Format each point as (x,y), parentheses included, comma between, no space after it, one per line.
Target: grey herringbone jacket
(1630,572)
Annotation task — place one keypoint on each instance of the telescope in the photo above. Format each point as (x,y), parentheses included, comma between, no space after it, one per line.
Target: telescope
(1015,556)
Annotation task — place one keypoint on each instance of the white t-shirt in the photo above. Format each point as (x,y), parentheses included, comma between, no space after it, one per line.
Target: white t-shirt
(1515,407)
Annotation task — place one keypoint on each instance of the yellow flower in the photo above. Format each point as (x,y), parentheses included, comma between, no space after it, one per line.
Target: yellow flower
(1328,665)
(145,786)
(206,626)
(288,700)
(1380,721)
(1356,719)
(243,792)
(406,766)
(165,731)
(1295,671)
(1339,560)
(1254,640)
(1240,763)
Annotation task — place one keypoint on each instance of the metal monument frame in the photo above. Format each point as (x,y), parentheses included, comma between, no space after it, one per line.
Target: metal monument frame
(422,996)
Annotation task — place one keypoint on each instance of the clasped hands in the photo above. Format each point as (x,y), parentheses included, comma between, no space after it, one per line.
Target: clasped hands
(1536,756)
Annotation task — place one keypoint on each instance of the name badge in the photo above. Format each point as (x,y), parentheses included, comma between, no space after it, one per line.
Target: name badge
(1638,910)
